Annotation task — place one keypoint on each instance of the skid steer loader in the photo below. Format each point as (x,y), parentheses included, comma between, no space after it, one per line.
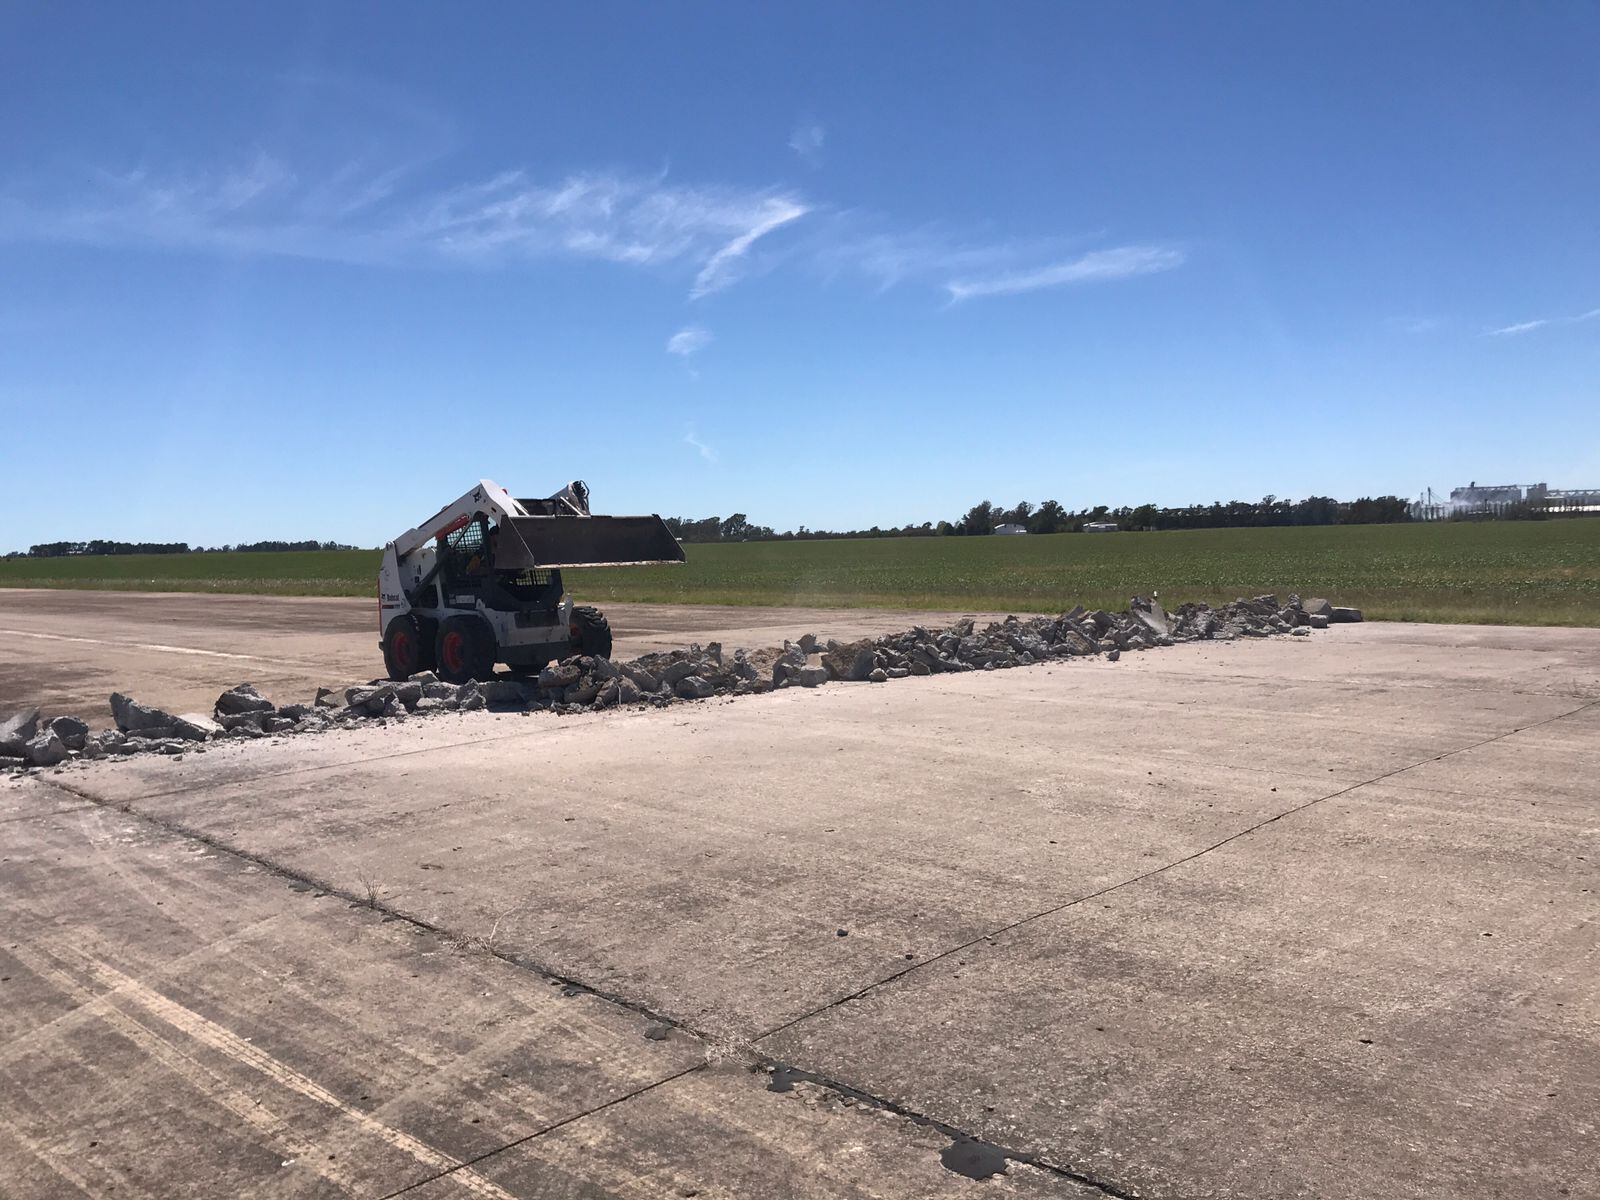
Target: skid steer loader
(479,582)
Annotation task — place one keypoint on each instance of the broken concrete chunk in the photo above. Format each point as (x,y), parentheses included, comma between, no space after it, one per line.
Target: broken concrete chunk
(133,717)
(46,750)
(195,727)
(130,715)
(682,669)
(584,691)
(694,687)
(242,698)
(1344,616)
(501,693)
(17,731)
(560,674)
(812,675)
(850,660)
(72,732)
(1151,615)
(359,696)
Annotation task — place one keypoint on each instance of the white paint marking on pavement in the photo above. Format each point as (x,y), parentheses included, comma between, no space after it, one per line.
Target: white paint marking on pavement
(209,1033)
(61,637)
(247,1107)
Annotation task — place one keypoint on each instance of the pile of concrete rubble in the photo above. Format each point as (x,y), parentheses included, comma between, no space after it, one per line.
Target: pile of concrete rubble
(583,683)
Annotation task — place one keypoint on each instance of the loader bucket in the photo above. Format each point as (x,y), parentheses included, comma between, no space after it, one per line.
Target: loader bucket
(556,542)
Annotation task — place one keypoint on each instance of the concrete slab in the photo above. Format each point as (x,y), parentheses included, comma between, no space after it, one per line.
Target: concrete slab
(1552,763)
(1152,910)
(178,1022)
(1417,659)
(25,799)
(703,860)
(721,1133)
(69,650)
(1383,994)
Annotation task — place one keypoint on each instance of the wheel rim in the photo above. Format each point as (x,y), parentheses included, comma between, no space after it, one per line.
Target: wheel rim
(405,652)
(454,651)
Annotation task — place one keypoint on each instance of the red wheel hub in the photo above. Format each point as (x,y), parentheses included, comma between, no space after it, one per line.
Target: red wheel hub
(455,651)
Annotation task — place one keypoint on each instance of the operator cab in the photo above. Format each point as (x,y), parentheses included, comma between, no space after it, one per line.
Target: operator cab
(467,574)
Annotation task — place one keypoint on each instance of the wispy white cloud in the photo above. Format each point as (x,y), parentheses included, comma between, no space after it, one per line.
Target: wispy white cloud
(806,141)
(368,217)
(706,452)
(888,258)
(724,266)
(711,235)
(1120,262)
(641,222)
(1540,323)
(1519,327)
(689,340)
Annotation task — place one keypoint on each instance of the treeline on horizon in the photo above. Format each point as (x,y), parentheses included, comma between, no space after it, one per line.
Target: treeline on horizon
(79,549)
(981,519)
(1051,517)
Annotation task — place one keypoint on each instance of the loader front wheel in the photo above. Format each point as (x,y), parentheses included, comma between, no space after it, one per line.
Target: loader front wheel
(406,650)
(465,650)
(591,632)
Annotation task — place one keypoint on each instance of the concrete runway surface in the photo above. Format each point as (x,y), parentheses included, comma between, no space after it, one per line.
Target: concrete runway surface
(67,651)
(1302,917)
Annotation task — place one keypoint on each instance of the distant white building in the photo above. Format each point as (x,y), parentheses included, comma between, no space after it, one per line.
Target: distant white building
(1100,527)
(1011,529)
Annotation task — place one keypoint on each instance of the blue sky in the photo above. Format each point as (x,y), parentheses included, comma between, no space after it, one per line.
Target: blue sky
(310,270)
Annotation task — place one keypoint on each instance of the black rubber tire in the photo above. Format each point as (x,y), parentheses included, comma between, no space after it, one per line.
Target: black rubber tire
(407,648)
(465,649)
(591,632)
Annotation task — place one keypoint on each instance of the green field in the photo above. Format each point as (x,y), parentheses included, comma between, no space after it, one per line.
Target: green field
(1533,573)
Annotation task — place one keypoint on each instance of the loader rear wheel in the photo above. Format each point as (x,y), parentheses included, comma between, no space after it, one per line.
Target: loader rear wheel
(465,650)
(591,632)
(406,649)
